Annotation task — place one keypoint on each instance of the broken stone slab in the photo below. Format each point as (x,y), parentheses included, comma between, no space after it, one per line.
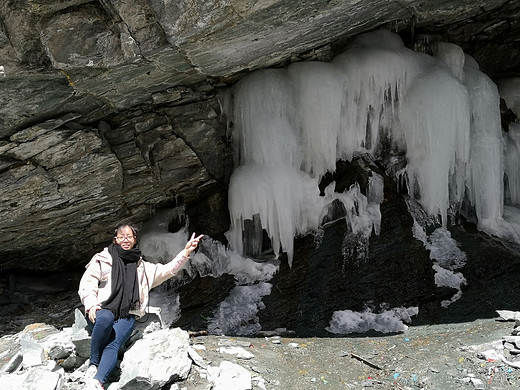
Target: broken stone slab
(79,372)
(72,362)
(239,352)
(258,382)
(38,331)
(199,347)
(508,315)
(231,376)
(511,342)
(42,378)
(12,350)
(158,358)
(490,355)
(197,359)
(153,362)
(10,354)
(59,346)
(36,378)
(496,345)
(60,352)
(13,381)
(13,364)
(80,336)
(478,384)
(33,353)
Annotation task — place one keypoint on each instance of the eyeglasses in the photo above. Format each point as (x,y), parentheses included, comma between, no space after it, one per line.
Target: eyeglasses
(122,238)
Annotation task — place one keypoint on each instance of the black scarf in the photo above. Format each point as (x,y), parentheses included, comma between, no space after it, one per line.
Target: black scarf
(125,290)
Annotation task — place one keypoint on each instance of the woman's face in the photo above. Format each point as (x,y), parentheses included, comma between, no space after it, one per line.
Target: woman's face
(125,238)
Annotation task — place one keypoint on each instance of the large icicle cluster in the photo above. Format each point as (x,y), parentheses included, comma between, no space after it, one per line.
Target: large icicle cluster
(291,125)
(510,91)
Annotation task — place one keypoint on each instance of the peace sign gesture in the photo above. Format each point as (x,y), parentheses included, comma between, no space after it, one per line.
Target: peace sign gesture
(192,243)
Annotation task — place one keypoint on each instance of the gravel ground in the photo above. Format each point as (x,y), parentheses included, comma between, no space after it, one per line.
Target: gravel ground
(441,356)
(424,357)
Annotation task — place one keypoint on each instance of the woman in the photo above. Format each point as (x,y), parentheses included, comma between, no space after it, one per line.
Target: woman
(115,290)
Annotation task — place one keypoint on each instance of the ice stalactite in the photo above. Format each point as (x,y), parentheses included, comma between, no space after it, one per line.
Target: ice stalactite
(512,162)
(158,244)
(510,92)
(437,130)
(291,126)
(485,176)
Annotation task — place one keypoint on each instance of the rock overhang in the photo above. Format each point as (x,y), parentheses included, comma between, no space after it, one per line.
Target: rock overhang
(140,82)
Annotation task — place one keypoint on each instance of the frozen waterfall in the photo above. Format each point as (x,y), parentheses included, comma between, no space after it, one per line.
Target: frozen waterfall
(291,125)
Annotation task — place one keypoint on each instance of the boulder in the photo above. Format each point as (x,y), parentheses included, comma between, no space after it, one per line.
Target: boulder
(157,359)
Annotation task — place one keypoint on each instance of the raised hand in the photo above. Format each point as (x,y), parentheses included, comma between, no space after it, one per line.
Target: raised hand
(192,243)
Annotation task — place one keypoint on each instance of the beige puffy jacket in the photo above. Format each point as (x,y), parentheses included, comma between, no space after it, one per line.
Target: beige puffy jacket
(95,285)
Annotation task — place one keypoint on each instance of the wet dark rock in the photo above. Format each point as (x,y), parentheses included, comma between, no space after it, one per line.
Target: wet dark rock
(200,298)
(393,268)
(491,271)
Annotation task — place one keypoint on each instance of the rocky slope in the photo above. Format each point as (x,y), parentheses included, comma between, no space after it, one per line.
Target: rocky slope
(480,354)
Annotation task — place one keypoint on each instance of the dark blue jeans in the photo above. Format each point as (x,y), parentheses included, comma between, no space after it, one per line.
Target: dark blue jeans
(108,336)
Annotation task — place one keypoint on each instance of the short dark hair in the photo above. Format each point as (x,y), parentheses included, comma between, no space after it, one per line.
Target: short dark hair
(124,224)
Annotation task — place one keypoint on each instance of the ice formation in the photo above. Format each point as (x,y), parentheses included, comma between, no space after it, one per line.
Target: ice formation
(387,321)
(512,162)
(291,125)
(510,92)
(237,314)
(447,257)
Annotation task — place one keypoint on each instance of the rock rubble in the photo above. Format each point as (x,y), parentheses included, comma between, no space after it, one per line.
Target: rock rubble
(477,355)
(45,358)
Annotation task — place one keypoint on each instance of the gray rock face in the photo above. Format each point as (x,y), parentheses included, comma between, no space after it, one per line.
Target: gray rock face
(108,109)
(76,182)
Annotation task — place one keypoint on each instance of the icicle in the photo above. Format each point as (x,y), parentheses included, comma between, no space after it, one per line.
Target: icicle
(435,118)
(318,95)
(292,125)
(453,56)
(375,196)
(264,129)
(485,177)
(375,73)
(512,163)
(510,91)
(286,200)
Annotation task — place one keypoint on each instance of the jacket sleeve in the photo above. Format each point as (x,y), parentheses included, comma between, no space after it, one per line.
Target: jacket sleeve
(164,272)
(89,284)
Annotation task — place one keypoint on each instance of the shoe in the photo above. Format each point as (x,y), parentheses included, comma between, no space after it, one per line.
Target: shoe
(90,373)
(93,384)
